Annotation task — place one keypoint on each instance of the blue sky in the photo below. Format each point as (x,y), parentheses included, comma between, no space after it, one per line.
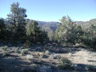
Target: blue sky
(53,10)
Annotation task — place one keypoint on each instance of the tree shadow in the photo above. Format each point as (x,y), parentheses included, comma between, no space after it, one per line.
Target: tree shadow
(85,68)
(78,68)
(14,64)
(92,61)
(54,49)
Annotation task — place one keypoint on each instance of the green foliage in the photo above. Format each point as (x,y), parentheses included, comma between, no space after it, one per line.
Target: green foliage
(51,35)
(29,28)
(2,29)
(68,32)
(17,22)
(17,29)
(32,30)
(2,25)
(34,33)
(89,37)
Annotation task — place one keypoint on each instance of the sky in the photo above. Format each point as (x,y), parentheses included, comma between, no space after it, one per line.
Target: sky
(53,10)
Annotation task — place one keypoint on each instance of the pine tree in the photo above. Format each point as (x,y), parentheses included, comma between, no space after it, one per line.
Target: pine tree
(17,21)
(68,31)
(2,29)
(34,33)
(51,35)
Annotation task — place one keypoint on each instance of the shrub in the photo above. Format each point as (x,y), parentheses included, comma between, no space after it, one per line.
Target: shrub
(51,56)
(5,48)
(44,54)
(24,51)
(17,50)
(64,63)
(57,57)
(47,52)
(6,53)
(29,57)
(41,55)
(27,44)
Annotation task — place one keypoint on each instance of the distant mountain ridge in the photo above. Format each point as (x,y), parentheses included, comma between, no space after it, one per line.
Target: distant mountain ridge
(86,23)
(47,26)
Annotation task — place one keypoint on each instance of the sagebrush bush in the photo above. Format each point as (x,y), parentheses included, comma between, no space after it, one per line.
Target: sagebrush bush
(51,56)
(6,53)
(25,45)
(41,55)
(64,63)
(17,50)
(29,57)
(24,51)
(5,48)
(46,52)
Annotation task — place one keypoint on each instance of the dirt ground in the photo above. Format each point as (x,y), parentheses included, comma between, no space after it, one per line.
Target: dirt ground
(15,62)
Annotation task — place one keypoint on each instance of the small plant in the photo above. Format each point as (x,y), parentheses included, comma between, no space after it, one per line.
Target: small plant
(41,55)
(29,57)
(17,50)
(47,52)
(34,66)
(51,56)
(64,63)
(24,51)
(57,56)
(27,44)
(6,53)
(90,68)
(5,48)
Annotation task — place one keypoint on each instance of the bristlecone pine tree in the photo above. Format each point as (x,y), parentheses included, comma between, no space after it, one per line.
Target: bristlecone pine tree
(34,32)
(68,31)
(17,22)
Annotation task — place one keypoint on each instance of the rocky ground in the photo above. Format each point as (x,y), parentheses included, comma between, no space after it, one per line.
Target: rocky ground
(36,60)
